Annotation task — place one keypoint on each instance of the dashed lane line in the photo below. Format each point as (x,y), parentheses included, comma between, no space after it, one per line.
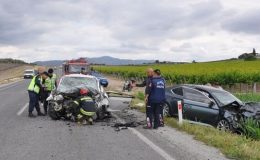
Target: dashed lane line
(156,148)
(22,109)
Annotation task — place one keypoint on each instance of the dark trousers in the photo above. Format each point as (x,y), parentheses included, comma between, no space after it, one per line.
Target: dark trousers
(149,113)
(161,115)
(33,101)
(156,111)
(45,95)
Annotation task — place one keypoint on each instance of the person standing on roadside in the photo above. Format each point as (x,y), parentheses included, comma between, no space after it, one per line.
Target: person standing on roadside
(34,89)
(53,78)
(156,97)
(145,84)
(49,85)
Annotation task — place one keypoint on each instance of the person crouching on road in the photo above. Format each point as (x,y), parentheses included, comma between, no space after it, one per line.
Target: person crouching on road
(84,108)
(156,97)
(34,90)
(49,86)
(145,83)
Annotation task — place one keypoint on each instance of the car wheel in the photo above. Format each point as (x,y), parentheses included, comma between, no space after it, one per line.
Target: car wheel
(166,110)
(223,125)
(100,115)
(52,113)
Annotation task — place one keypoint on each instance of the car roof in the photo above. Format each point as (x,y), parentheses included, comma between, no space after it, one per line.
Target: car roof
(194,86)
(79,75)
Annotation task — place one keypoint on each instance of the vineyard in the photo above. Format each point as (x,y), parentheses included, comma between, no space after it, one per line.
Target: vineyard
(222,72)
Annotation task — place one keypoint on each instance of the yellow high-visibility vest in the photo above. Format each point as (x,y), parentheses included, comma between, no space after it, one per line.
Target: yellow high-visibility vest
(33,87)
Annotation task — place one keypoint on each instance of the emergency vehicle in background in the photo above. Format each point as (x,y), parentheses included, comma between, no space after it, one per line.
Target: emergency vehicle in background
(76,66)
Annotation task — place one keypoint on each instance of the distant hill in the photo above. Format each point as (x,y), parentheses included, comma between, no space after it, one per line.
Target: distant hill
(12,61)
(107,60)
(49,63)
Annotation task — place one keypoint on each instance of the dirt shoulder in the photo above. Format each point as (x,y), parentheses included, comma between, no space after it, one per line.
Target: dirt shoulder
(12,72)
(116,84)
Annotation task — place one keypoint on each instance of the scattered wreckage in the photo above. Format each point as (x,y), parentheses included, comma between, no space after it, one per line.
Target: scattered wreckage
(210,105)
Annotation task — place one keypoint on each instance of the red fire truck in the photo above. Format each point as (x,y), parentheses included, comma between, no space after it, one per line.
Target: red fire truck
(76,66)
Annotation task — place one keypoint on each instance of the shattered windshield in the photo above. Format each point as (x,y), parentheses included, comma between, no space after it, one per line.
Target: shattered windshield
(68,84)
(225,98)
(78,68)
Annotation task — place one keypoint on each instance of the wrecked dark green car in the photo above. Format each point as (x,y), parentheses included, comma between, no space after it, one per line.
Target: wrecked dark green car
(209,105)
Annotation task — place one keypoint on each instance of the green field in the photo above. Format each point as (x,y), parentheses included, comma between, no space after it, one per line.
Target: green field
(222,72)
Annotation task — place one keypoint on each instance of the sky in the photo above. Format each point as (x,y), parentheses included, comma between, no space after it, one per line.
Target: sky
(165,30)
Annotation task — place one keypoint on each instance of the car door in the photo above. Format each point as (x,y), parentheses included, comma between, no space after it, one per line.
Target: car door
(198,107)
(176,94)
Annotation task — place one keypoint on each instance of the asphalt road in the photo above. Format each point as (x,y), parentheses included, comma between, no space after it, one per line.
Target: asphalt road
(22,138)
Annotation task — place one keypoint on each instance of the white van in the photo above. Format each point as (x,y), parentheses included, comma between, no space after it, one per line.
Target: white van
(29,73)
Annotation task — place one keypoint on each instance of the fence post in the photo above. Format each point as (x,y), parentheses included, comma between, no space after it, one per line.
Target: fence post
(180,112)
(254,88)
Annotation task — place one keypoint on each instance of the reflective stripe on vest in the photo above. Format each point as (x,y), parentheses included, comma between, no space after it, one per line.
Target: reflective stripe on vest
(76,102)
(86,98)
(33,87)
(86,113)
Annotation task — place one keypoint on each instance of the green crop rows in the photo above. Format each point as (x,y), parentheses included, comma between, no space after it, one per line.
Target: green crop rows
(223,72)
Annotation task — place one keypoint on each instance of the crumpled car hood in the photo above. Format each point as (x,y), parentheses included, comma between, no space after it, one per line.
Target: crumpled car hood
(247,110)
(251,109)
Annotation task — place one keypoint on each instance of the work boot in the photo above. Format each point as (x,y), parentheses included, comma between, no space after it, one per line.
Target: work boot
(90,121)
(84,122)
(31,115)
(146,127)
(45,112)
(40,114)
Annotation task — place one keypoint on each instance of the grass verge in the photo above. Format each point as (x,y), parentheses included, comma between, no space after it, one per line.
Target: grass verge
(248,97)
(232,145)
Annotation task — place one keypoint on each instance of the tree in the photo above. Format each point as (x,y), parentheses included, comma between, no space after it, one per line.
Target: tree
(157,61)
(254,52)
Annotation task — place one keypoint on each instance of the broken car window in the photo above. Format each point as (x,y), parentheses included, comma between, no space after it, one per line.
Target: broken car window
(225,98)
(178,91)
(70,83)
(195,95)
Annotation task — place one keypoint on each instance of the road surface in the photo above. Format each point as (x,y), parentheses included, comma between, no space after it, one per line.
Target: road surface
(23,138)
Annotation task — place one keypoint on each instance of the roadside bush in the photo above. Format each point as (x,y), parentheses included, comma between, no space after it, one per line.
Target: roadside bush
(251,128)
(140,95)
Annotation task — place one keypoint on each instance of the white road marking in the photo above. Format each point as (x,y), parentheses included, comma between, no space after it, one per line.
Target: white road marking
(22,109)
(148,142)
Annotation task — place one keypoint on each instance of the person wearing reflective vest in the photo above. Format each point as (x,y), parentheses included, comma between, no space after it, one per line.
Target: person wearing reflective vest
(84,108)
(49,86)
(53,78)
(156,97)
(34,89)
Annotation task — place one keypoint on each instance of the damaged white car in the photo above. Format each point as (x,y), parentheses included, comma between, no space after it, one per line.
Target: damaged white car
(68,90)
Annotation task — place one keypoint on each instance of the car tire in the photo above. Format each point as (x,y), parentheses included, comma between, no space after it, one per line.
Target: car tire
(166,110)
(52,113)
(100,115)
(223,125)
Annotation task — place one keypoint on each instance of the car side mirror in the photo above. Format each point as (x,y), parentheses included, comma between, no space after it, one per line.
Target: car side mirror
(102,84)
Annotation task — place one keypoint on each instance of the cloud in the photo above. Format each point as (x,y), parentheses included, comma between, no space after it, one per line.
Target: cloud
(247,22)
(166,30)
